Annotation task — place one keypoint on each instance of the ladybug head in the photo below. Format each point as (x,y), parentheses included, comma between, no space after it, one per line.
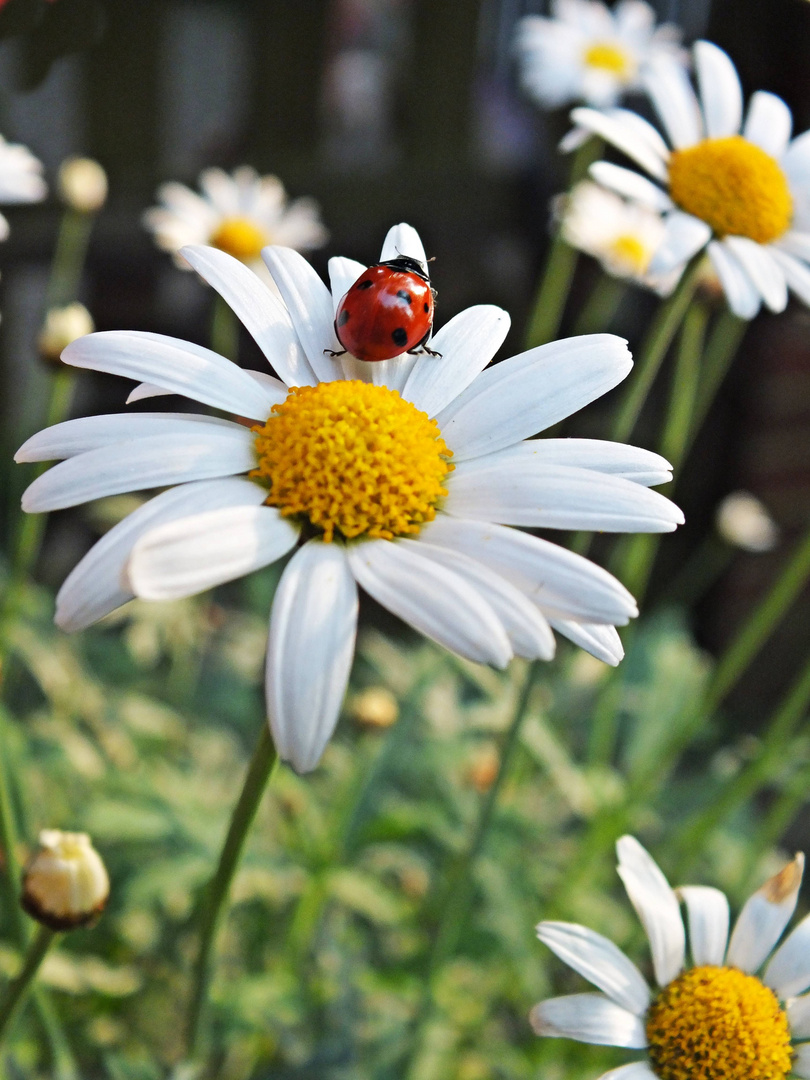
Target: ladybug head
(405,262)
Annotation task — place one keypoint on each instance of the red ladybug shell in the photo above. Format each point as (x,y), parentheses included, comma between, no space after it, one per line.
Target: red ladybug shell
(386,312)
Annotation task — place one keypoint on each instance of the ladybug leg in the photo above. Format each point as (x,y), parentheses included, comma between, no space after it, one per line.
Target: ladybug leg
(334,352)
(422,349)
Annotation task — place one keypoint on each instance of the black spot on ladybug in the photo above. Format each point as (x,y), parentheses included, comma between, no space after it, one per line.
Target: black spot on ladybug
(344,318)
(426,307)
(364,284)
(403,294)
(400,336)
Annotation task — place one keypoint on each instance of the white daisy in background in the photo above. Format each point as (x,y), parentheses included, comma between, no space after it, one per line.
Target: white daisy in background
(716,1020)
(740,190)
(624,236)
(588,52)
(20,178)
(239,214)
(358,453)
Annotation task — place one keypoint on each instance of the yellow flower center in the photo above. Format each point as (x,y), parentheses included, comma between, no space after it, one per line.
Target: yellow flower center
(353,458)
(241,238)
(734,186)
(607,56)
(629,254)
(717,1023)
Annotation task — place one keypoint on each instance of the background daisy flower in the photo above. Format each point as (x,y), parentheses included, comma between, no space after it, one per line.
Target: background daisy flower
(739,189)
(588,52)
(715,1020)
(20,178)
(400,477)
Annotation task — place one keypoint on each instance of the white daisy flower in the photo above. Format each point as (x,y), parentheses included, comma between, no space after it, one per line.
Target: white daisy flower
(359,454)
(739,189)
(20,178)
(239,214)
(589,52)
(715,1020)
(624,236)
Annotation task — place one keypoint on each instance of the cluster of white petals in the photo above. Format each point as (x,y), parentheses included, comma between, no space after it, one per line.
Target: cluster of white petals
(20,178)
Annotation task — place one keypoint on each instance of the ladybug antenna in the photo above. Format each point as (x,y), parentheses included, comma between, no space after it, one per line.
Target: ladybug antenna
(432,259)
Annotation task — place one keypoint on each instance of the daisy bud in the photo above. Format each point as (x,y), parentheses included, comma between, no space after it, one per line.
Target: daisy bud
(65,884)
(82,184)
(482,770)
(62,326)
(743,522)
(375,707)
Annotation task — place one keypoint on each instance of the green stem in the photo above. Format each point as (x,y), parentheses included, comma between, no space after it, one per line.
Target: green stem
(601,306)
(69,258)
(662,330)
(721,348)
(14,992)
(261,766)
(224,330)
(759,626)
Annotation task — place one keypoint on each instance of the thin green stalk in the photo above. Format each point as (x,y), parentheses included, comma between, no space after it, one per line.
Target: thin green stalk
(69,258)
(701,571)
(224,330)
(259,771)
(14,992)
(601,306)
(760,625)
(650,356)
(721,348)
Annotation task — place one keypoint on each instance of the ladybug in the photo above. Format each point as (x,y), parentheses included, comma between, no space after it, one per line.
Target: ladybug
(387,311)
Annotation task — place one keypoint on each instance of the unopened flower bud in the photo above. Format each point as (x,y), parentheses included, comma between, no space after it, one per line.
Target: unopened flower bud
(375,707)
(483,768)
(744,522)
(65,884)
(82,184)
(62,326)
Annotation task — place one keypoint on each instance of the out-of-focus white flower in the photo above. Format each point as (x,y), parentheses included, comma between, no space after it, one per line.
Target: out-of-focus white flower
(716,1020)
(82,184)
(20,178)
(348,464)
(745,523)
(738,188)
(588,52)
(622,235)
(65,884)
(63,325)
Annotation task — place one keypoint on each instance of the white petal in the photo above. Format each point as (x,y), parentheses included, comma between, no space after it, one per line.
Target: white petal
(685,235)
(801,1061)
(707,909)
(635,1070)
(146,390)
(598,960)
(795,243)
(798,1012)
(196,553)
(531,391)
(432,599)
(615,459)
(74,437)
(764,917)
(720,90)
(561,583)
(788,972)
(400,240)
(623,136)
(546,496)
(796,161)
(600,641)
(762,268)
(796,273)
(656,906)
(467,344)
(392,373)
(741,293)
(275,389)
(769,123)
(180,367)
(644,129)
(97,584)
(528,631)
(342,275)
(261,313)
(589,1018)
(309,303)
(675,102)
(312,633)
(155,461)
(630,185)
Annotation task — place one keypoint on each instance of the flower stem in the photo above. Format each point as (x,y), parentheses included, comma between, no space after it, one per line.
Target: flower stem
(69,257)
(14,992)
(260,768)
(724,341)
(601,306)
(224,330)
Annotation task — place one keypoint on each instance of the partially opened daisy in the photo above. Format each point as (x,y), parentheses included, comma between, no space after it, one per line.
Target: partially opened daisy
(238,213)
(739,189)
(739,1012)
(20,178)
(399,476)
(589,52)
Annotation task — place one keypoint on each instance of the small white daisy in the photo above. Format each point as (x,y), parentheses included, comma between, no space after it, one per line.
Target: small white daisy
(239,214)
(20,178)
(359,453)
(740,190)
(624,236)
(716,1020)
(588,52)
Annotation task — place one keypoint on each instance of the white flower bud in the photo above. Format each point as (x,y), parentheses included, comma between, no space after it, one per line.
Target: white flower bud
(82,184)
(744,522)
(65,884)
(63,325)
(375,707)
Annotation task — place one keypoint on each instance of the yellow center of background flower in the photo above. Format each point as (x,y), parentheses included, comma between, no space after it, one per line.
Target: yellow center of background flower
(734,186)
(609,57)
(629,254)
(352,458)
(241,238)
(717,1023)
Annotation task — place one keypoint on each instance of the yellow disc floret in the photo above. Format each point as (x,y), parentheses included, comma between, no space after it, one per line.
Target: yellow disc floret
(241,238)
(629,255)
(352,458)
(734,186)
(717,1023)
(612,58)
